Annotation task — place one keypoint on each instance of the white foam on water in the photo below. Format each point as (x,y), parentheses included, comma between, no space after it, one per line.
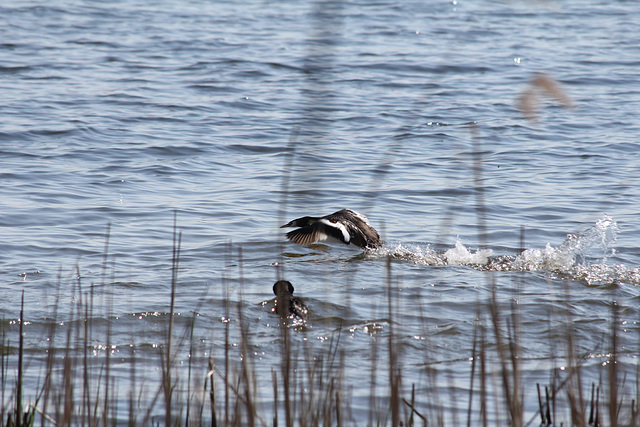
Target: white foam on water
(549,258)
(582,256)
(425,255)
(414,253)
(460,255)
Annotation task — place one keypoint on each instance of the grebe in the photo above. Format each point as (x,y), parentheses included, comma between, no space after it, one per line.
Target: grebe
(346,226)
(288,306)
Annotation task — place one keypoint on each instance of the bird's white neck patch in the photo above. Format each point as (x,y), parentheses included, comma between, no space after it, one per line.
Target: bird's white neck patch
(339,226)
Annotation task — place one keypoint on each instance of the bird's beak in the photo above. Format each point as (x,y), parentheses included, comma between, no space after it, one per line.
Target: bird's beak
(286,225)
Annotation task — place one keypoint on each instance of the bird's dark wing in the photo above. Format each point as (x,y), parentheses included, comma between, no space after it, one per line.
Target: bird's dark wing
(362,233)
(303,236)
(316,232)
(311,233)
(357,238)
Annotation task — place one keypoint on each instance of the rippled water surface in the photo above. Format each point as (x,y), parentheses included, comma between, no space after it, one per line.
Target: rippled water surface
(235,118)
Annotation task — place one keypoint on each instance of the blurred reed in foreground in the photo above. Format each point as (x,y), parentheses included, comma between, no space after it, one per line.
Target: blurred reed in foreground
(310,385)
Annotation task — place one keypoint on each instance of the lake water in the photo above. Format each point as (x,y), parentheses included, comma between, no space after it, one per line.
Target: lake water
(238,117)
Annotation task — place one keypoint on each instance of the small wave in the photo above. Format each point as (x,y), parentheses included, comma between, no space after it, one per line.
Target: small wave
(582,256)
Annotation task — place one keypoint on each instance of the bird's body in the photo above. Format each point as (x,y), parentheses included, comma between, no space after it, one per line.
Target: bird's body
(345,226)
(288,306)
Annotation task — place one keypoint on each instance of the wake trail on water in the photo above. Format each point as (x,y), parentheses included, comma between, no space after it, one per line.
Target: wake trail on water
(582,256)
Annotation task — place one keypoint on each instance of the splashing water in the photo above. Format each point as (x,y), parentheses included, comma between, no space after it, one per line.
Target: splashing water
(415,254)
(458,255)
(603,235)
(582,256)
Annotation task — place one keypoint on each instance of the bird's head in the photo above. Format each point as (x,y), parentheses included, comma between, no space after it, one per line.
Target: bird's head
(299,222)
(282,287)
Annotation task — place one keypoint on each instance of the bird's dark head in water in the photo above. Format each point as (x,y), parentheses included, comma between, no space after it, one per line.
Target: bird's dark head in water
(282,287)
(288,306)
